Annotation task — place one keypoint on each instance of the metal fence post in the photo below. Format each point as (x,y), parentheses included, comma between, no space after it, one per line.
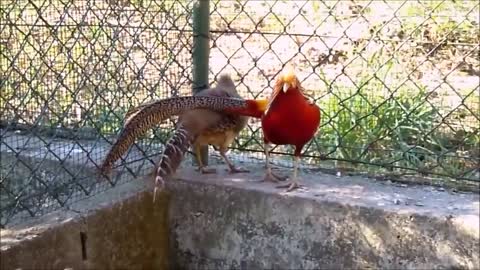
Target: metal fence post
(201,52)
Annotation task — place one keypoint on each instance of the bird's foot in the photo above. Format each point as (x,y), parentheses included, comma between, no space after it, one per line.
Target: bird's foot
(273,177)
(291,186)
(206,170)
(238,170)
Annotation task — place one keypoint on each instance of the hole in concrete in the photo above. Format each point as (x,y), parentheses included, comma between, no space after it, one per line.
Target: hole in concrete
(83,242)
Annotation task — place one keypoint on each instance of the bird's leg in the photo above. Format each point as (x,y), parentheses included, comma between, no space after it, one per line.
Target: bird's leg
(202,168)
(231,166)
(269,175)
(294,182)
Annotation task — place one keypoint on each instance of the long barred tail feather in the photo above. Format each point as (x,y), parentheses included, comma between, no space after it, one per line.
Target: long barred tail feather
(172,156)
(142,118)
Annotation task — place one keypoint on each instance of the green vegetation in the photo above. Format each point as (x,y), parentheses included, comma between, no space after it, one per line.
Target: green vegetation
(394,130)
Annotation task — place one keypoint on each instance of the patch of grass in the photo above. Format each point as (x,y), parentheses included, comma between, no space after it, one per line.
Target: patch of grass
(444,20)
(404,132)
(366,129)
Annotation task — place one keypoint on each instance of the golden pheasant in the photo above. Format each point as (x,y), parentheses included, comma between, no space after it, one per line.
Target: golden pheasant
(290,119)
(206,118)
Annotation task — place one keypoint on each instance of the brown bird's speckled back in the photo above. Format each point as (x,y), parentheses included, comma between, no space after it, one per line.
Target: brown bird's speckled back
(202,127)
(140,119)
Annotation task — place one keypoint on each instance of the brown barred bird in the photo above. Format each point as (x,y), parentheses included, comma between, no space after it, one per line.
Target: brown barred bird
(216,128)
(209,117)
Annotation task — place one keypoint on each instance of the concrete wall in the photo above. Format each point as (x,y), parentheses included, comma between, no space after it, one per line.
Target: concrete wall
(228,222)
(123,228)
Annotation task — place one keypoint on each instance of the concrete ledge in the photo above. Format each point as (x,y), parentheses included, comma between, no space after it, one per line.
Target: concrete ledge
(123,229)
(229,221)
(226,221)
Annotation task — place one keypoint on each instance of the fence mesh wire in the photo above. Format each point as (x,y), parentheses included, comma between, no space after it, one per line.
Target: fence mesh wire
(397,83)
(70,70)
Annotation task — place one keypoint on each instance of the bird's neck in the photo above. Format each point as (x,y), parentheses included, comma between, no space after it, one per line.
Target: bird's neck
(292,95)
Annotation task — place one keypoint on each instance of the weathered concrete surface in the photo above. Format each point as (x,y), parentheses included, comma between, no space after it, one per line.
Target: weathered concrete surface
(227,221)
(123,228)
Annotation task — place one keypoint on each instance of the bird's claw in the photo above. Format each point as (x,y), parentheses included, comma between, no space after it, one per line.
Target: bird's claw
(291,186)
(272,177)
(233,170)
(205,170)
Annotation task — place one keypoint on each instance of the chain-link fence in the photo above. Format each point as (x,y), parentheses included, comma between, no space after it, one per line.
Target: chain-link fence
(70,70)
(397,82)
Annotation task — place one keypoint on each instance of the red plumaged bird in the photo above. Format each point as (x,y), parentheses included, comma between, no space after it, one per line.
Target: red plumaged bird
(290,119)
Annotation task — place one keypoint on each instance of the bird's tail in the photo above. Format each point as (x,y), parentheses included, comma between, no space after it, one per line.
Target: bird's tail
(253,107)
(140,119)
(175,149)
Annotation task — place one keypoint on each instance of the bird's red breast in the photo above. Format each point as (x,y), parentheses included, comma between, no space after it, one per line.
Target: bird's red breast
(290,117)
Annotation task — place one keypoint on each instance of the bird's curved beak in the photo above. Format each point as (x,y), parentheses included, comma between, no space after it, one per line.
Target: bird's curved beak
(285,87)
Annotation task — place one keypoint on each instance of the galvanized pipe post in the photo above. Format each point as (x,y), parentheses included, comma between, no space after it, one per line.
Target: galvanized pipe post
(201,52)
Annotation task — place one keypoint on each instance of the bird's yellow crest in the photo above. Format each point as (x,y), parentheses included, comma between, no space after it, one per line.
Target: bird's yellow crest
(288,78)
